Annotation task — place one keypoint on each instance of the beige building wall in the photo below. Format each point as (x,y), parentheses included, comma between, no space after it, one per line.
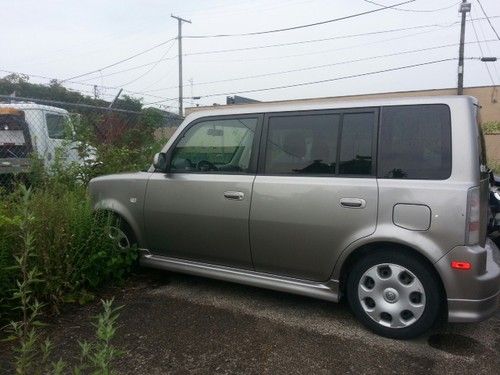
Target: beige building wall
(493,148)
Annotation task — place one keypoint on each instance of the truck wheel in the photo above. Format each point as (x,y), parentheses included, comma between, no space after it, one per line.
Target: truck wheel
(394,294)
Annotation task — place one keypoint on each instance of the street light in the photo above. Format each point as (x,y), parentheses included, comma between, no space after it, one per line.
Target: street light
(488,59)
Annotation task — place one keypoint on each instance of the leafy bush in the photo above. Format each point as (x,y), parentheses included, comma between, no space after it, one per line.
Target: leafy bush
(491,127)
(72,250)
(58,250)
(494,166)
(117,143)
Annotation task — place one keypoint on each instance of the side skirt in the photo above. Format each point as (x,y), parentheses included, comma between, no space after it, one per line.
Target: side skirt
(327,291)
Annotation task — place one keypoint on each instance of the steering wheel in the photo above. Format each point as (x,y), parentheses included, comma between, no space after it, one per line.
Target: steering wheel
(205,165)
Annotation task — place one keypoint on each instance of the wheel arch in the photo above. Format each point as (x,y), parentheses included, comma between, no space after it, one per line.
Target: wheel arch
(115,208)
(380,246)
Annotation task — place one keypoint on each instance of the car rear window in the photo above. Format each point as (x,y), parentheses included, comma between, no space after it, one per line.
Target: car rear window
(415,142)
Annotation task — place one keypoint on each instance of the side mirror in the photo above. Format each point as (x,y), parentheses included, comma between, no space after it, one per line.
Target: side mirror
(160,161)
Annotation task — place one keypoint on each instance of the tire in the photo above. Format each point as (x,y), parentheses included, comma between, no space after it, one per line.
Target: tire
(406,297)
(121,233)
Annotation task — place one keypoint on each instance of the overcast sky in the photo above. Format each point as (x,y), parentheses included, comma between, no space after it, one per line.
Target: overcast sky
(62,39)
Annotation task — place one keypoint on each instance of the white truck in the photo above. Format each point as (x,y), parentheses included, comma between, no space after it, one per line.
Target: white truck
(29,129)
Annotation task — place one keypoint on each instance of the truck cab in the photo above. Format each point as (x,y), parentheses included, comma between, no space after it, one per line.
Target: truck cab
(32,130)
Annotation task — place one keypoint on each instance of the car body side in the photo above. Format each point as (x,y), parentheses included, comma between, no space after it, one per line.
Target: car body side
(402,204)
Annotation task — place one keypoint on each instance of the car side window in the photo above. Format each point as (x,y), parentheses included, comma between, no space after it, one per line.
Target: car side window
(302,144)
(356,145)
(216,146)
(415,142)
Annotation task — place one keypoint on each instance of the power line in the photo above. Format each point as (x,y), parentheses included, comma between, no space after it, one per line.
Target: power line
(150,69)
(497,74)
(331,38)
(82,83)
(285,44)
(299,26)
(272,46)
(414,10)
(314,67)
(482,52)
(120,61)
(313,40)
(489,21)
(321,52)
(324,80)
(132,68)
(332,79)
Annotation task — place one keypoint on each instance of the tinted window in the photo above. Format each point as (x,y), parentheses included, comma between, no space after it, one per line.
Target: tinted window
(302,144)
(356,144)
(415,142)
(217,145)
(56,126)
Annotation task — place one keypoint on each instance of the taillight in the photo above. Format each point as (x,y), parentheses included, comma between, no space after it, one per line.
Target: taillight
(473,217)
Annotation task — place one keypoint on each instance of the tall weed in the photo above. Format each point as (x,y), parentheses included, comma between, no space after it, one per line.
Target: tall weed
(72,249)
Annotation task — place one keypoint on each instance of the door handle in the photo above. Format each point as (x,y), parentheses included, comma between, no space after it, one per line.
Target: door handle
(353,202)
(234,195)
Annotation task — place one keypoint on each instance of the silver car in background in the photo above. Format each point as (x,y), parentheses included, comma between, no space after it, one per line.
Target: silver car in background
(384,202)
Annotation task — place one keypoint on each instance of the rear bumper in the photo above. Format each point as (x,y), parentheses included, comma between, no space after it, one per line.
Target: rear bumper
(473,295)
(465,311)
(14,165)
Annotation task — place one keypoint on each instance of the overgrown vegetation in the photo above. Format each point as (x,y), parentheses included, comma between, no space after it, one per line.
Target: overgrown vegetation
(494,166)
(491,127)
(53,248)
(40,270)
(71,252)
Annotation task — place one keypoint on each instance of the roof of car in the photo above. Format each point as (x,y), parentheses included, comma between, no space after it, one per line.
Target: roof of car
(31,106)
(326,103)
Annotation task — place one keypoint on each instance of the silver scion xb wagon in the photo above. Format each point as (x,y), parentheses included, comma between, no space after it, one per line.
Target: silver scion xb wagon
(384,202)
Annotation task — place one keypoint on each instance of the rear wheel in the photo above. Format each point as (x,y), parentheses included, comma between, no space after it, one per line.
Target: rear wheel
(394,294)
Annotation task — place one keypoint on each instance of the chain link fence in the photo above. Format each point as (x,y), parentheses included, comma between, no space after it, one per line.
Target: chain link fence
(42,137)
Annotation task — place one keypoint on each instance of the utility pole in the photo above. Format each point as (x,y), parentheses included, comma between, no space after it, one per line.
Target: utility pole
(179,40)
(464,9)
(115,99)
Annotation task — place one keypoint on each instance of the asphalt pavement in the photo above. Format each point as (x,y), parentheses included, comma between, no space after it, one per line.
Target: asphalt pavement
(180,324)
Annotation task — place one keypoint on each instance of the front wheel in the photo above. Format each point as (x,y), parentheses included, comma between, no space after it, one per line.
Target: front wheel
(121,234)
(394,294)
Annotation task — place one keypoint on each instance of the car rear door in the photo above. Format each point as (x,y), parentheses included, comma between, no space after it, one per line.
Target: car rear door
(200,209)
(315,192)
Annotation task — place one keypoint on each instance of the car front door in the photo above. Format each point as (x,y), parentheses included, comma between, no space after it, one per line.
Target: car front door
(199,210)
(315,192)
